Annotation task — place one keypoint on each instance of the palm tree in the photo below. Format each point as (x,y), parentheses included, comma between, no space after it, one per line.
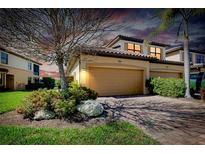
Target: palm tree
(182,17)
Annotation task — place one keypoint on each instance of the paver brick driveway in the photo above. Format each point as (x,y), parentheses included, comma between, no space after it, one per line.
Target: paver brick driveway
(169,120)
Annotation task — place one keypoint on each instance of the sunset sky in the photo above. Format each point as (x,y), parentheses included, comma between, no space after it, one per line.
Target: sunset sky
(140,22)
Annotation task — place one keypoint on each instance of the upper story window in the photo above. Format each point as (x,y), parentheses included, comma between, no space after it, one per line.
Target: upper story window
(4,58)
(133,47)
(35,69)
(199,59)
(154,51)
(29,66)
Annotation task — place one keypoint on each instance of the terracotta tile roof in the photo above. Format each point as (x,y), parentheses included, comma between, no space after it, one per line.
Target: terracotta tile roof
(116,53)
(101,51)
(52,74)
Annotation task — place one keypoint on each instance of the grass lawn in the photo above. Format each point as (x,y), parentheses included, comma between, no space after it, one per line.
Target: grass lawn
(10,100)
(116,133)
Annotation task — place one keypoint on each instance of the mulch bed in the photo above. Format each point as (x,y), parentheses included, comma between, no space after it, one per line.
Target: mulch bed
(14,118)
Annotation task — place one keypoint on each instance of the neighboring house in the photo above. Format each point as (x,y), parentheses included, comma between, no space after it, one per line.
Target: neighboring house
(16,71)
(49,70)
(54,74)
(122,68)
(197,58)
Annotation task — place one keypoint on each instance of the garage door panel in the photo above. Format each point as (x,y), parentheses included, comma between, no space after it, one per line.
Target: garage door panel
(109,81)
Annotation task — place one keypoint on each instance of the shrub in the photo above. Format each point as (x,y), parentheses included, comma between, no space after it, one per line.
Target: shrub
(79,93)
(34,86)
(171,87)
(91,94)
(48,82)
(63,103)
(149,85)
(58,84)
(39,99)
(76,92)
(70,79)
(64,108)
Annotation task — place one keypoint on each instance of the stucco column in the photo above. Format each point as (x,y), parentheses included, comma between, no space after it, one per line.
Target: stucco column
(147,76)
(83,74)
(145,49)
(163,54)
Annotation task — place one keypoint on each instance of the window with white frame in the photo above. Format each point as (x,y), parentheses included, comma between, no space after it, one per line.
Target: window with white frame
(133,47)
(4,58)
(29,66)
(154,51)
(199,59)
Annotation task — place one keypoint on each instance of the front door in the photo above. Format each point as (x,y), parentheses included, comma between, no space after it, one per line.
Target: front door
(10,82)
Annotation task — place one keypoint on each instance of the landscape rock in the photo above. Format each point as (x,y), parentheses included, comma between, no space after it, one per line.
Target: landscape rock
(44,115)
(91,108)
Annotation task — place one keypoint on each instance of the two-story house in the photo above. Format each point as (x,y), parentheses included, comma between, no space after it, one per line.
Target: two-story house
(196,57)
(137,45)
(16,70)
(122,67)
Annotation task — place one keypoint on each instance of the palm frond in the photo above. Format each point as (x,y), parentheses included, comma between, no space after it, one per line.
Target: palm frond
(167,17)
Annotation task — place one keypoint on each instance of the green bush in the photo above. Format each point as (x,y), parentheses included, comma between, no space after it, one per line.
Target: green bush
(39,99)
(80,93)
(64,108)
(171,87)
(90,94)
(48,82)
(58,83)
(63,103)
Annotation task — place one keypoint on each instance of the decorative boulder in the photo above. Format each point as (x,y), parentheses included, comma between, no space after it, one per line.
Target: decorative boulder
(44,115)
(91,108)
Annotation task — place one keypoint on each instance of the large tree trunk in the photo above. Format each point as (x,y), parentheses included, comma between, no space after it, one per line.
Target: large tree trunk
(186,60)
(63,79)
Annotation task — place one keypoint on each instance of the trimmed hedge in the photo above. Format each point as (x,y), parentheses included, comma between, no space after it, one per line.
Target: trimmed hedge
(171,87)
(46,82)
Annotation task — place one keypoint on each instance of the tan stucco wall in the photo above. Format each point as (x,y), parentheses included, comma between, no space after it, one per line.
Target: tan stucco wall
(75,71)
(175,56)
(84,62)
(87,61)
(20,76)
(161,69)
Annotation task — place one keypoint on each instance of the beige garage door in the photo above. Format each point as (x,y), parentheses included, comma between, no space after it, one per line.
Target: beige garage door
(110,81)
(165,74)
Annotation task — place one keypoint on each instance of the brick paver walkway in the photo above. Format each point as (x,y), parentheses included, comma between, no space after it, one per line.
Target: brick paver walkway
(170,121)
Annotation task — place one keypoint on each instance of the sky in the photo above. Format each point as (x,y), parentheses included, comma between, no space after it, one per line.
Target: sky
(140,22)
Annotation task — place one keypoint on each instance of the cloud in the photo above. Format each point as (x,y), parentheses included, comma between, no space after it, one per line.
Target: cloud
(140,22)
